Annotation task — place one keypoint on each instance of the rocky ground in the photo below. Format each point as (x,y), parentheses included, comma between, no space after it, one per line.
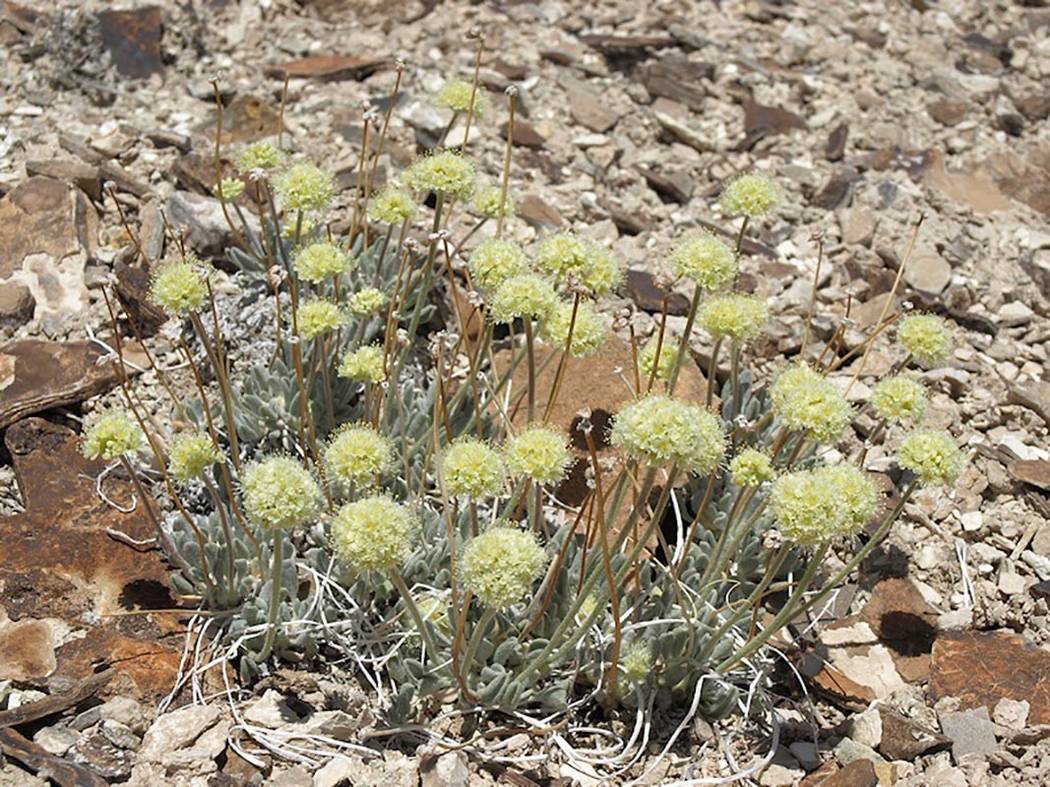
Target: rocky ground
(876,118)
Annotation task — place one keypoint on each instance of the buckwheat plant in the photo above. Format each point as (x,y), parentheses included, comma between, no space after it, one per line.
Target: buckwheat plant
(375,456)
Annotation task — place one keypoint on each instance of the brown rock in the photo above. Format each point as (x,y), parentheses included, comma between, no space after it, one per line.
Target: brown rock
(947,112)
(763,121)
(524,133)
(859,773)
(48,230)
(1034,107)
(132,290)
(538,213)
(648,295)
(900,616)
(981,669)
(83,176)
(16,304)
(835,148)
(1040,590)
(678,79)
(246,119)
(1031,471)
(133,40)
(672,186)
(62,533)
(38,375)
(839,686)
(594,381)
(1023,174)
(196,172)
(905,739)
(626,222)
(970,188)
(329,67)
(837,190)
(626,45)
(27,650)
(587,106)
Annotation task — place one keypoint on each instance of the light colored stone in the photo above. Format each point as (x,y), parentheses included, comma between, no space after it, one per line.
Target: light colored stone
(55,740)
(449,770)
(1011,584)
(270,710)
(866,728)
(858,226)
(777,775)
(970,731)
(177,730)
(1015,313)
(335,771)
(126,711)
(928,272)
(1012,714)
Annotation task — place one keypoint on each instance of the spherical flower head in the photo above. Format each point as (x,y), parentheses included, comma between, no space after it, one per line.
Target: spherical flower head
(932,455)
(751,195)
(393,206)
(111,436)
(804,400)
(528,296)
(444,172)
(367,301)
(926,337)
(472,468)
(601,272)
(230,188)
(855,491)
(899,399)
(317,317)
(539,453)
(736,317)
(374,533)
(358,453)
(364,364)
(812,506)
(665,366)
(487,202)
(260,157)
(320,261)
(305,187)
(501,564)
(660,430)
(459,94)
(191,454)
(637,662)
(494,261)
(751,467)
(709,262)
(180,287)
(588,331)
(279,493)
(564,256)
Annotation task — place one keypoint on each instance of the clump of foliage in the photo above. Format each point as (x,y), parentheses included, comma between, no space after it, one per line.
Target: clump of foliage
(372,480)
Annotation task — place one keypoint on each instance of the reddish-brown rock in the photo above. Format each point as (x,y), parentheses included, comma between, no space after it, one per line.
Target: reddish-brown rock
(981,669)
(905,739)
(36,375)
(329,67)
(859,773)
(59,564)
(133,40)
